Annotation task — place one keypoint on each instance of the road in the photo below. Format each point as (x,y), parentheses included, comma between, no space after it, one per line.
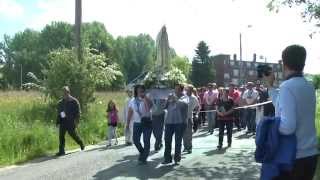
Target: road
(120,163)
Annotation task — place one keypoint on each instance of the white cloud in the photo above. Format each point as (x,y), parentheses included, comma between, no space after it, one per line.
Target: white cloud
(11,9)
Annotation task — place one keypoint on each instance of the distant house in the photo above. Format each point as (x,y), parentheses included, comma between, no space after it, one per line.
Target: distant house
(239,72)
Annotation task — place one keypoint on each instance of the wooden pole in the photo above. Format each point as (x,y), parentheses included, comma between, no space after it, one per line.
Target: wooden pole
(78,17)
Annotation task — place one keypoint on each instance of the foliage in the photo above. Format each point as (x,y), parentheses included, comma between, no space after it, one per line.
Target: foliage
(27,126)
(134,54)
(183,64)
(316,81)
(311,7)
(202,71)
(82,78)
(30,48)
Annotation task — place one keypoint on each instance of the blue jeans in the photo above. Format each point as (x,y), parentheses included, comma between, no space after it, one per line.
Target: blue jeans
(177,130)
(157,128)
(211,117)
(251,120)
(138,130)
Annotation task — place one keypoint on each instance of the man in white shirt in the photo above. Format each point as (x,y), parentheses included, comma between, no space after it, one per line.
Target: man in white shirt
(250,97)
(295,104)
(193,103)
(210,97)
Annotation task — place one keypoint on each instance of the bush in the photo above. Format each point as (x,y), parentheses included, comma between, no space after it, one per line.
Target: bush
(316,81)
(82,77)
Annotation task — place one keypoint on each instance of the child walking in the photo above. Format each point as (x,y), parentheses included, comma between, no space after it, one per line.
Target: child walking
(112,117)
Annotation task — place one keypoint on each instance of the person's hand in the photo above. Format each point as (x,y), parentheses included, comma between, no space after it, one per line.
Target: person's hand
(269,79)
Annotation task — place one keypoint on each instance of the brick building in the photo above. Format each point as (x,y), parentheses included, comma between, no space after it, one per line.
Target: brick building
(239,72)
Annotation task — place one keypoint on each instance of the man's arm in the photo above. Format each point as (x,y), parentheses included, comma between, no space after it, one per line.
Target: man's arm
(288,107)
(78,112)
(129,117)
(58,114)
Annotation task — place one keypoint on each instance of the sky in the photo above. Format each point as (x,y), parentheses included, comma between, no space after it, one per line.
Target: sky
(217,22)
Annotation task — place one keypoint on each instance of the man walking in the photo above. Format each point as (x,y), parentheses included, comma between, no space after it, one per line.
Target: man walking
(158,98)
(175,124)
(210,98)
(251,97)
(193,103)
(68,119)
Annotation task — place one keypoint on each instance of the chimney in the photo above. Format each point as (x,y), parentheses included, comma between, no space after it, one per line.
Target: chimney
(254,57)
(234,57)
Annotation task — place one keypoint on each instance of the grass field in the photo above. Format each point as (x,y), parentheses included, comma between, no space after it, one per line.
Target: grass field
(27,125)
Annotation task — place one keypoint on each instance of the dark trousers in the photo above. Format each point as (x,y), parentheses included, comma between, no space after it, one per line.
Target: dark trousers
(251,120)
(222,125)
(202,115)
(72,132)
(237,119)
(138,130)
(157,129)
(243,118)
(304,169)
(177,130)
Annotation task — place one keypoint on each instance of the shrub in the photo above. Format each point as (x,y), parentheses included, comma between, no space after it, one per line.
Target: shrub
(82,77)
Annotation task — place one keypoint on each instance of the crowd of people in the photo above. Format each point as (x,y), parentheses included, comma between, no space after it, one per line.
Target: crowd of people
(180,113)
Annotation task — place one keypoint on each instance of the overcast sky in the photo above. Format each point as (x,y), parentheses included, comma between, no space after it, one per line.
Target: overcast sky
(218,22)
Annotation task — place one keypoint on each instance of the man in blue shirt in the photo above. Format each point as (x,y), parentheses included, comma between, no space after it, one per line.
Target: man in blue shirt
(295,104)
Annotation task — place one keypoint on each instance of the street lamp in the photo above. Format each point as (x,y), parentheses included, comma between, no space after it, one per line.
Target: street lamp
(240,67)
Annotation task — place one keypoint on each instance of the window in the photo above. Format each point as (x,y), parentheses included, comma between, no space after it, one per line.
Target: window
(251,72)
(236,72)
(232,63)
(226,76)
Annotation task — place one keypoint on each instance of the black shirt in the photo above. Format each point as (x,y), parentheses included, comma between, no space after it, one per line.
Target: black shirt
(225,106)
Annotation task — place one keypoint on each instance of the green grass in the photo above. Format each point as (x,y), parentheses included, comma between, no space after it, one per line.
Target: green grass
(27,125)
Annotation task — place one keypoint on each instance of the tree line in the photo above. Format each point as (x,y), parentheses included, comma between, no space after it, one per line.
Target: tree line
(28,52)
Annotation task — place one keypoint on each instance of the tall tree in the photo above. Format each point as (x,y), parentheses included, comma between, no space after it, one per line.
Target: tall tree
(183,64)
(95,36)
(202,52)
(134,54)
(20,54)
(202,71)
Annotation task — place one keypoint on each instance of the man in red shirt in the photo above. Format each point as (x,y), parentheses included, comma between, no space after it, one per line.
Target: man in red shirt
(234,94)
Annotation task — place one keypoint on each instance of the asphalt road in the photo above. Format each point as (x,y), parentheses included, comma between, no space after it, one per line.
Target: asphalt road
(120,162)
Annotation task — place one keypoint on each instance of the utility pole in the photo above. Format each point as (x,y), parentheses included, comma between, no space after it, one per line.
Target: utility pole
(78,17)
(240,64)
